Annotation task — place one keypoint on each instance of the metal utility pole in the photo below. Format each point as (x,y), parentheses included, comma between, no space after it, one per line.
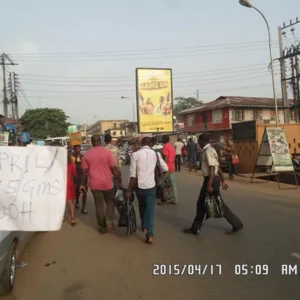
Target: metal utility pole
(290,55)
(285,100)
(11,100)
(197,93)
(15,103)
(5,61)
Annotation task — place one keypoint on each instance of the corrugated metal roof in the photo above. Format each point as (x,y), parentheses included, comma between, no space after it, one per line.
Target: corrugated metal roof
(235,101)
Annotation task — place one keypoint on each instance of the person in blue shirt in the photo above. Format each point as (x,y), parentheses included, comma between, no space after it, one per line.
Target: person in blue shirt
(3,128)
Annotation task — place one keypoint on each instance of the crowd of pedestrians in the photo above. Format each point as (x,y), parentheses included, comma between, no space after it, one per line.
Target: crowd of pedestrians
(100,169)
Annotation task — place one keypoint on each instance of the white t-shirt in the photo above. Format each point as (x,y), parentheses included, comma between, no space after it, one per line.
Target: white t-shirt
(178,146)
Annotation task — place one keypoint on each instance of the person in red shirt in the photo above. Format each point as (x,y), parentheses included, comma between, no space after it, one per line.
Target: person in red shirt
(99,165)
(71,187)
(169,155)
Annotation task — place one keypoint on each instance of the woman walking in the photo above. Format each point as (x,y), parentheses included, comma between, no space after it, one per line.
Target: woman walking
(229,152)
(71,187)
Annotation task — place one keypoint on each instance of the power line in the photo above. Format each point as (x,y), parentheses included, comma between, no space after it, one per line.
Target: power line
(195,79)
(142,51)
(110,97)
(39,77)
(61,59)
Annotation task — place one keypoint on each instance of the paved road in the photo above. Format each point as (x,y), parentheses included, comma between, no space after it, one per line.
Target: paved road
(86,265)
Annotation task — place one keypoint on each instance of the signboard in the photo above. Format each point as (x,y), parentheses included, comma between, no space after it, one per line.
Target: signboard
(154,100)
(32,188)
(244,131)
(274,151)
(279,147)
(4,137)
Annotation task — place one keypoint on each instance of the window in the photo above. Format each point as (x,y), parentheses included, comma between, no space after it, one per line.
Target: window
(272,114)
(217,116)
(114,133)
(257,114)
(237,115)
(114,125)
(191,120)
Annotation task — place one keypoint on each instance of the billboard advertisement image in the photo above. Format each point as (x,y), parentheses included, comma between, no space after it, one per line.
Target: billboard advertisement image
(154,100)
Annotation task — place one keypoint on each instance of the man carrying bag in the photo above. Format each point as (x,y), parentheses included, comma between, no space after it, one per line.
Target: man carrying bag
(142,181)
(211,185)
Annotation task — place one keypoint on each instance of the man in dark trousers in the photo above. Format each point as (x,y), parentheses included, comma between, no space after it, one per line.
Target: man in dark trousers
(213,177)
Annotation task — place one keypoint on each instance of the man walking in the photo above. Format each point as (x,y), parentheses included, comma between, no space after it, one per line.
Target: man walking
(116,153)
(169,155)
(211,185)
(178,147)
(99,165)
(142,174)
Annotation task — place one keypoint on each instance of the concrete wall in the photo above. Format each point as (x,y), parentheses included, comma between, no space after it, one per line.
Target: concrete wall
(248,151)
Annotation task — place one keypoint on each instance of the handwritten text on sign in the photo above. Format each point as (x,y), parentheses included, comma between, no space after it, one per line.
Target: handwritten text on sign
(32,188)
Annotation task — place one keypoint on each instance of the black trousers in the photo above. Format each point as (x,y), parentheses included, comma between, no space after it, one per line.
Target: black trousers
(228,214)
(177,162)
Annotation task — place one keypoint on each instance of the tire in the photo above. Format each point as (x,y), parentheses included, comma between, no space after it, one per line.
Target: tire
(9,271)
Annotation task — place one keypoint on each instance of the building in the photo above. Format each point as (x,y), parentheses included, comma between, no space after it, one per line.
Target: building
(101,126)
(83,129)
(129,128)
(217,116)
(115,133)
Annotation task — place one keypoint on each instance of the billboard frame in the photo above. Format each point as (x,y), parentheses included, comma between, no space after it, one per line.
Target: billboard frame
(137,99)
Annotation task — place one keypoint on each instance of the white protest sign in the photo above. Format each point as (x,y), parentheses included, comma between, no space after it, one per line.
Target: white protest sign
(4,137)
(32,188)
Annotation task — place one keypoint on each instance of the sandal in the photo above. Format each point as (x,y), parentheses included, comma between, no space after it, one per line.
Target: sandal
(73,223)
(84,212)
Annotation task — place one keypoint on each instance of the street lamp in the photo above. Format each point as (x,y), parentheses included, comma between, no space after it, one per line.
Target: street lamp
(133,112)
(247,4)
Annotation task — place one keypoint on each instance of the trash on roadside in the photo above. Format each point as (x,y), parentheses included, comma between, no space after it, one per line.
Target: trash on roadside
(49,264)
(21,265)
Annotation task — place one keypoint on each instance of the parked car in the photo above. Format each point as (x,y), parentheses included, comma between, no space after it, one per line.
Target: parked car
(85,148)
(12,243)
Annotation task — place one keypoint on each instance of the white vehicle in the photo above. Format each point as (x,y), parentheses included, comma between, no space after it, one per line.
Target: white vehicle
(61,141)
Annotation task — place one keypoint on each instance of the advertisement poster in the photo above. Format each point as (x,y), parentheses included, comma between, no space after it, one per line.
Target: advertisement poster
(154,100)
(279,149)
(4,137)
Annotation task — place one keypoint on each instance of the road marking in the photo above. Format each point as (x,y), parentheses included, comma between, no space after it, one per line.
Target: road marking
(295,254)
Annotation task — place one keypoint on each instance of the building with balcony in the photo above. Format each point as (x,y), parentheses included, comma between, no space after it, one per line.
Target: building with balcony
(101,126)
(217,116)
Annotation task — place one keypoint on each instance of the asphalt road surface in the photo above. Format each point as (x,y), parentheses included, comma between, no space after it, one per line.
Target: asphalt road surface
(80,264)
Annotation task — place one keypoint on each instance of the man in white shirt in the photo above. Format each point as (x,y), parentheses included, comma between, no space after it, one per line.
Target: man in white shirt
(213,177)
(142,172)
(178,147)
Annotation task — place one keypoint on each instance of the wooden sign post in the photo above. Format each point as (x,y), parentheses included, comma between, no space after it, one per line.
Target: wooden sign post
(274,154)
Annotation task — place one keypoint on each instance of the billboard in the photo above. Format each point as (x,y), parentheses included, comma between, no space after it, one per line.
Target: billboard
(154,93)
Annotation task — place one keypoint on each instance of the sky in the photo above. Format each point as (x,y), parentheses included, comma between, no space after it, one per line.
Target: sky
(81,56)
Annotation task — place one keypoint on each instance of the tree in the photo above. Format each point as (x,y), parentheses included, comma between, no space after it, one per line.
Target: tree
(184,103)
(44,122)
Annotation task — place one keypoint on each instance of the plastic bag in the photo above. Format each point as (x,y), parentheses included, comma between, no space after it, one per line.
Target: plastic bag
(235,160)
(214,206)
(126,211)
(165,191)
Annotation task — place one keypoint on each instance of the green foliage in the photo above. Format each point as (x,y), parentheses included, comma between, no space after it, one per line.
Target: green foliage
(44,122)
(183,103)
